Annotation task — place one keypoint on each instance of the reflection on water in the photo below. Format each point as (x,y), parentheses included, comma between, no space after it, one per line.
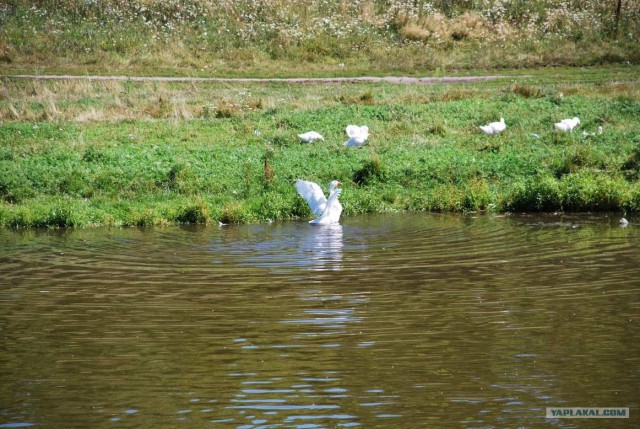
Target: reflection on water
(284,247)
(397,321)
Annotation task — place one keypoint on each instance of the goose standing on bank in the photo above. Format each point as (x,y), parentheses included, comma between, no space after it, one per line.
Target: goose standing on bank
(310,136)
(494,127)
(329,209)
(566,125)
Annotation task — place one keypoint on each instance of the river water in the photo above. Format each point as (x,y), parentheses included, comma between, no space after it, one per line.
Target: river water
(397,321)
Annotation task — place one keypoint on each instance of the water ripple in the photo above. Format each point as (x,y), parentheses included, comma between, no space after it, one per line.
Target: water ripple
(383,320)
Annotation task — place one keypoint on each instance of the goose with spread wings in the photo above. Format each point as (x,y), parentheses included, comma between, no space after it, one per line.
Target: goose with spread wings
(329,209)
(357,135)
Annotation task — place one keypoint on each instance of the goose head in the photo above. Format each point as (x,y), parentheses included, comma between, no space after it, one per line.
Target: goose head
(334,184)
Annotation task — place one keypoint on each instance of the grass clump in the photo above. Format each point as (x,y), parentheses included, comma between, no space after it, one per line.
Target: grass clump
(527,91)
(371,171)
(196,212)
(538,193)
(631,166)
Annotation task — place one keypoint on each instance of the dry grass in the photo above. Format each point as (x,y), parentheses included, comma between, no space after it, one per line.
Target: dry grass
(470,25)
(92,115)
(106,100)
(527,91)
(113,100)
(89,101)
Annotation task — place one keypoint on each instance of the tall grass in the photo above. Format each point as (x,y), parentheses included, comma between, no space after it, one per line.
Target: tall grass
(277,37)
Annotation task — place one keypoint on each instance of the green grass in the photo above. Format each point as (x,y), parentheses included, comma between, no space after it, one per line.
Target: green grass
(81,153)
(190,165)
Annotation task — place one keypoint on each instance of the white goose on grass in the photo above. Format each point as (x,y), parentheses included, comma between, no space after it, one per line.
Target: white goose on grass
(310,136)
(566,125)
(357,135)
(329,209)
(494,127)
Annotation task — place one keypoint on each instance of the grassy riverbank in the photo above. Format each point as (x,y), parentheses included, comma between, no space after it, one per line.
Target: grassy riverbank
(80,153)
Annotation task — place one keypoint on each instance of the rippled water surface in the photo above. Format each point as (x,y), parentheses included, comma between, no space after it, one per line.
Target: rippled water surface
(402,321)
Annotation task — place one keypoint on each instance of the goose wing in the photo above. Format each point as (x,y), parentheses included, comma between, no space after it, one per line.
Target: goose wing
(353,131)
(488,129)
(305,137)
(499,126)
(569,124)
(313,195)
(561,126)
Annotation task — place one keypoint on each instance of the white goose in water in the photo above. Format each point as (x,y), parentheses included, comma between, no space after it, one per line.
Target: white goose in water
(310,136)
(567,124)
(357,135)
(329,209)
(494,127)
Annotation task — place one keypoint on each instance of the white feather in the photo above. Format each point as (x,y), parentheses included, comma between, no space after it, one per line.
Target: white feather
(313,195)
(327,210)
(357,135)
(332,211)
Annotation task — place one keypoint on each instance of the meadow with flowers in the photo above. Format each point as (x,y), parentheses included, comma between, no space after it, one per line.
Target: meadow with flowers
(296,37)
(80,152)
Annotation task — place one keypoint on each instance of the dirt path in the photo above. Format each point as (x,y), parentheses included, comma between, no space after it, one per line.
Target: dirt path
(301,80)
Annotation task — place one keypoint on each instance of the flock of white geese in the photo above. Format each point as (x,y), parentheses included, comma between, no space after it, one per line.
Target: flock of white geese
(328,209)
